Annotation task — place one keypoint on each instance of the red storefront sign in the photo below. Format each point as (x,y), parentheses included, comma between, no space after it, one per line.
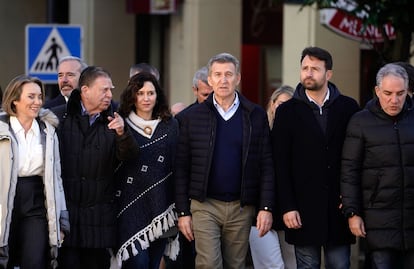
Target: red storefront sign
(151,6)
(352,27)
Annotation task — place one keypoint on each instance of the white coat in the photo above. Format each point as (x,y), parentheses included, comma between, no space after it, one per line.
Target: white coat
(53,188)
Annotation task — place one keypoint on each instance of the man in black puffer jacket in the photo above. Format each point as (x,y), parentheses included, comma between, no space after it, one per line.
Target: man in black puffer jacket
(224,165)
(377,179)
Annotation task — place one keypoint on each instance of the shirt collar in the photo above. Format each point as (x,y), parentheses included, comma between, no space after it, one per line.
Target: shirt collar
(17,127)
(324,100)
(92,118)
(232,109)
(236,102)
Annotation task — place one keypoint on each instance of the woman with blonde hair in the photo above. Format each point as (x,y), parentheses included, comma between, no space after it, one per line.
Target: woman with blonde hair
(271,250)
(33,216)
(278,97)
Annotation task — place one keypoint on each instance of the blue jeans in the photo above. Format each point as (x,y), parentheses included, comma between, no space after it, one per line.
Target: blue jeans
(392,259)
(149,258)
(336,257)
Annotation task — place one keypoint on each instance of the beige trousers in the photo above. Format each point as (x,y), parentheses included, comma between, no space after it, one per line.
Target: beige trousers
(221,232)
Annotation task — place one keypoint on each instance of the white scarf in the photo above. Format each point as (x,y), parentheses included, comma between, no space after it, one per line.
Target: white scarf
(144,127)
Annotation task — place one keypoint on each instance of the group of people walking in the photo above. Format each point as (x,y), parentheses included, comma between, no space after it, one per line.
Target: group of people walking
(90,183)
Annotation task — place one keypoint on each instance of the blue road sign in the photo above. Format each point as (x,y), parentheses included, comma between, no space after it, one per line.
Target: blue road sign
(46,44)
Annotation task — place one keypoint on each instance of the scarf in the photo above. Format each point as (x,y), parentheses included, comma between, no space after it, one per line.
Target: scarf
(144,127)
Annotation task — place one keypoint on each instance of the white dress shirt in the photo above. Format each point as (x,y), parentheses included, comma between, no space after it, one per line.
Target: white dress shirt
(31,155)
(226,115)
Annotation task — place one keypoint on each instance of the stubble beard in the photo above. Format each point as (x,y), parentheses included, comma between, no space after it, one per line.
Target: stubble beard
(312,85)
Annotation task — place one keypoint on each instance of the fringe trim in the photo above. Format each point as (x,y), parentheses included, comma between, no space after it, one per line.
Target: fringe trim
(173,248)
(144,237)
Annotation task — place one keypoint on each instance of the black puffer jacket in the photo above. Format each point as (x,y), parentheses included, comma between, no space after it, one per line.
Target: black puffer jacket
(377,180)
(195,152)
(89,157)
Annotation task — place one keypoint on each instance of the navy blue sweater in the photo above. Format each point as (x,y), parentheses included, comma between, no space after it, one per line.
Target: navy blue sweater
(225,174)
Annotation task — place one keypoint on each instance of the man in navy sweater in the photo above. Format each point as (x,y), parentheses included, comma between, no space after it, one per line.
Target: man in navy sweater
(223,170)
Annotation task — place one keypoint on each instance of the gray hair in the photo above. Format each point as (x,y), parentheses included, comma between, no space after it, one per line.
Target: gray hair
(394,70)
(74,58)
(224,58)
(200,74)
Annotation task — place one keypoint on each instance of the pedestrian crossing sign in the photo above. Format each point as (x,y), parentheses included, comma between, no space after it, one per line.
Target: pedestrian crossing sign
(46,44)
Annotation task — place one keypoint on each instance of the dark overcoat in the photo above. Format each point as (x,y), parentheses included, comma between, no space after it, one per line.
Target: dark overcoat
(90,155)
(307,162)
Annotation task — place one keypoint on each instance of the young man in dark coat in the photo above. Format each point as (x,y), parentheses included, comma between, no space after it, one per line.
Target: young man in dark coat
(377,175)
(93,141)
(307,137)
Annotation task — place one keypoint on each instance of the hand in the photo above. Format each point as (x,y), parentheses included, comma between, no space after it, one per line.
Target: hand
(292,219)
(185,224)
(356,225)
(340,203)
(264,222)
(116,123)
(62,236)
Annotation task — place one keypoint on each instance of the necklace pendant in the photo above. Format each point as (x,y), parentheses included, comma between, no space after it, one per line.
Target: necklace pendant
(148,130)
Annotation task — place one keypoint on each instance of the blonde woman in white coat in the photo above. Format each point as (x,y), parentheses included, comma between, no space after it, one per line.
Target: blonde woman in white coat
(33,216)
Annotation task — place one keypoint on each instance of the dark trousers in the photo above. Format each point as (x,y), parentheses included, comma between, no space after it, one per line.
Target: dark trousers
(28,238)
(186,256)
(336,257)
(83,258)
(392,259)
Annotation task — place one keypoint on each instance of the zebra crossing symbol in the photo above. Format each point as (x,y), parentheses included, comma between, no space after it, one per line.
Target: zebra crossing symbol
(46,44)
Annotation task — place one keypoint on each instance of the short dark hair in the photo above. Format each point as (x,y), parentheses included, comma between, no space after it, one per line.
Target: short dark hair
(319,53)
(144,67)
(90,74)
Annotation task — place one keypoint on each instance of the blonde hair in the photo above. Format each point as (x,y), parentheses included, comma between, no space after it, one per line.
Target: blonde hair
(14,90)
(285,89)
